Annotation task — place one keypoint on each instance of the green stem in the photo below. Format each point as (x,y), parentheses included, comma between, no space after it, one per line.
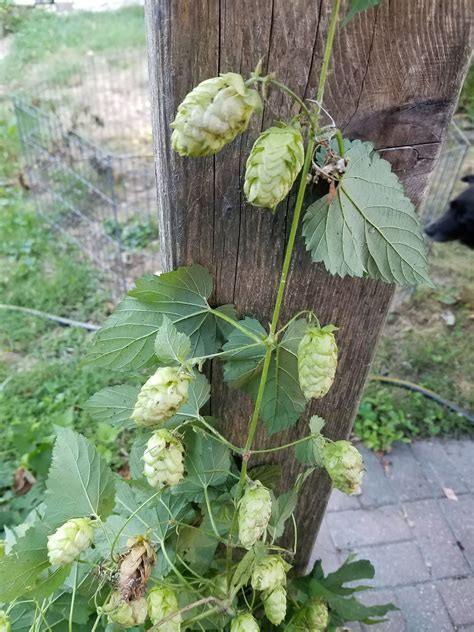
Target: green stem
(282,447)
(211,515)
(238,326)
(340,143)
(73,598)
(327,51)
(211,356)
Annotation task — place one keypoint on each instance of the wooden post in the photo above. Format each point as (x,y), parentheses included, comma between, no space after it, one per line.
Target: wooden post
(395,79)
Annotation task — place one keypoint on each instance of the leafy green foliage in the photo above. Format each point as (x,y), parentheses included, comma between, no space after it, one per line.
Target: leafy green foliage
(20,569)
(127,338)
(311,452)
(358,6)
(283,400)
(368,227)
(284,506)
(113,405)
(171,347)
(79,482)
(207,465)
(340,597)
(244,357)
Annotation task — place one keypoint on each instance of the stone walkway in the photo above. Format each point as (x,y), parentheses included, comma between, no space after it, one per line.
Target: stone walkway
(415,522)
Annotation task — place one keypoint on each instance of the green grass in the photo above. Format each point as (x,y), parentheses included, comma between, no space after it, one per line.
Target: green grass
(418,346)
(52,44)
(466,102)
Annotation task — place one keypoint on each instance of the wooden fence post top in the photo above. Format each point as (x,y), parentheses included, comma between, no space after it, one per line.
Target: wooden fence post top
(395,78)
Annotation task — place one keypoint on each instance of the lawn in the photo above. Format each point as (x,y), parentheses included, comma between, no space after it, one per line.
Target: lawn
(42,380)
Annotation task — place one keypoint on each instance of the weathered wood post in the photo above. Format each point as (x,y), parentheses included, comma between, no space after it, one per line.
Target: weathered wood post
(395,79)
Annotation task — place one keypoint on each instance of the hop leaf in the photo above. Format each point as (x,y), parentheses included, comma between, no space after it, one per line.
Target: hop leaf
(164,459)
(273,165)
(5,625)
(67,543)
(162,602)
(255,509)
(125,613)
(369,227)
(269,572)
(244,623)
(161,396)
(344,464)
(274,603)
(213,114)
(317,361)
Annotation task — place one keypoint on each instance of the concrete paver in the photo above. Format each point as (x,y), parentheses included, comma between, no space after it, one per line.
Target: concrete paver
(420,540)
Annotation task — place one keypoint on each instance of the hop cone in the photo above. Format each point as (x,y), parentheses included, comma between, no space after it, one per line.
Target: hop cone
(274,603)
(273,165)
(67,543)
(162,602)
(161,396)
(5,625)
(317,361)
(244,623)
(255,509)
(269,572)
(126,613)
(316,615)
(344,464)
(213,114)
(164,466)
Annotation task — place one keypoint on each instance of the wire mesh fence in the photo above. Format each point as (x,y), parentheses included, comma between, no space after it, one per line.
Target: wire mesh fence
(86,141)
(446,174)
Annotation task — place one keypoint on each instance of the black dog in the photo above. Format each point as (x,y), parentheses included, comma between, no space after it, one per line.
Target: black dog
(458,221)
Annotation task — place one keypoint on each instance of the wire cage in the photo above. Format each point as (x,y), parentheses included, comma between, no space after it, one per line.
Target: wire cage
(87,145)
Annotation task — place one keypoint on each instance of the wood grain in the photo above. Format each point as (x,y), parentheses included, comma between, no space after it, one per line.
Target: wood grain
(395,79)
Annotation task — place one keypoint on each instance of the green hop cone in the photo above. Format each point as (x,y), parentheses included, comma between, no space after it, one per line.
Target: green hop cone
(125,613)
(274,603)
(255,509)
(162,602)
(164,459)
(344,464)
(276,158)
(316,615)
(269,572)
(5,625)
(213,114)
(317,361)
(161,396)
(72,538)
(244,623)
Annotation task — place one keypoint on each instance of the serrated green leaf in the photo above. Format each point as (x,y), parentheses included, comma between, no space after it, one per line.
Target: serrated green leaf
(284,506)
(198,395)
(20,569)
(244,357)
(244,570)
(171,347)
(222,513)
(207,465)
(311,451)
(369,227)
(283,400)
(113,405)
(127,338)
(80,483)
(343,605)
(48,582)
(155,510)
(357,6)
(197,548)
(22,616)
